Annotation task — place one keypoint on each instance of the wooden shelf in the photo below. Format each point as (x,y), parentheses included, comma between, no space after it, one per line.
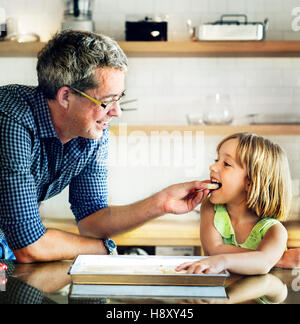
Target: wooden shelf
(207,130)
(14,49)
(178,49)
(212,49)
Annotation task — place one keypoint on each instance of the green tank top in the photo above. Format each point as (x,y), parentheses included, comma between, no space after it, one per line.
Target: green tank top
(224,227)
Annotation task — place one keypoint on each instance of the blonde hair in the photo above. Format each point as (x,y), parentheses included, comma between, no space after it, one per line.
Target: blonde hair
(269,193)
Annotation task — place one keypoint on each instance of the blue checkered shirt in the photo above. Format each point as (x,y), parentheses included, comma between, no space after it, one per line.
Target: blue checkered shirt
(35,166)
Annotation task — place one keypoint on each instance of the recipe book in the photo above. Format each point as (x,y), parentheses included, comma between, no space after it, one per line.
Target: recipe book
(139,270)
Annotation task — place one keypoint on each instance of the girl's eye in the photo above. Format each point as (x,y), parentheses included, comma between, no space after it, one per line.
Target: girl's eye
(227,164)
(216,160)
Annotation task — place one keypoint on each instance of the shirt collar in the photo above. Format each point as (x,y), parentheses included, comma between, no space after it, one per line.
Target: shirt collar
(42,112)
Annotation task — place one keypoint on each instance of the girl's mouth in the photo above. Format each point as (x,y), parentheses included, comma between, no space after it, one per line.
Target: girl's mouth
(217,183)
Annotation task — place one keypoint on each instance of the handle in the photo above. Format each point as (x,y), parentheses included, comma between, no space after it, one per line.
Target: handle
(222,21)
(266,23)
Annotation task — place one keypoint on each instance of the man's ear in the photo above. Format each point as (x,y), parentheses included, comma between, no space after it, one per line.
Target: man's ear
(62,97)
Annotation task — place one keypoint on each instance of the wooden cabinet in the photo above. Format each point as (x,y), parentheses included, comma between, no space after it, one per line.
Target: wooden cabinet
(179,230)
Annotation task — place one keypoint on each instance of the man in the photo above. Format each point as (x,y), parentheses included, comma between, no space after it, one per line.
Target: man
(57,135)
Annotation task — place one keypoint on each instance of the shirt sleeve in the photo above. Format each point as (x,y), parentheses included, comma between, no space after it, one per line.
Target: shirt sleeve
(19,213)
(88,192)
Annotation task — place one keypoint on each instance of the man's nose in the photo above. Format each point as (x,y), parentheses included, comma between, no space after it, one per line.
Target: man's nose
(115,111)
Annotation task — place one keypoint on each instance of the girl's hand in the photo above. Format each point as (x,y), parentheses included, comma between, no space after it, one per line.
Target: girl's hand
(214,264)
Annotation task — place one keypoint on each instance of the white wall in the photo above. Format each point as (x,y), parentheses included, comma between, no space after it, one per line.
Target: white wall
(170,88)
(180,85)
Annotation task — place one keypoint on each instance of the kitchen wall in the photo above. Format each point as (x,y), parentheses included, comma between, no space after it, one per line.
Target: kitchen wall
(168,89)
(180,85)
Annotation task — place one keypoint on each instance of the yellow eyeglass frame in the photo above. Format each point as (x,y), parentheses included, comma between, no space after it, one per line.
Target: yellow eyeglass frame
(97,102)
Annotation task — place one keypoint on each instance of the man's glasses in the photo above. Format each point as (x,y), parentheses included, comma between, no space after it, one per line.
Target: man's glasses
(105,106)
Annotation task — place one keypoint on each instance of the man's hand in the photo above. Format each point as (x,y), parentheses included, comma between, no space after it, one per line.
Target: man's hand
(290,259)
(183,198)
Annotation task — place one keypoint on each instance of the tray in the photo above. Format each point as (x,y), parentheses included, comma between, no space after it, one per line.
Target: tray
(144,292)
(139,270)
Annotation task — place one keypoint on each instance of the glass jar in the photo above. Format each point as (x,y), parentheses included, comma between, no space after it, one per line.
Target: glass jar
(218,110)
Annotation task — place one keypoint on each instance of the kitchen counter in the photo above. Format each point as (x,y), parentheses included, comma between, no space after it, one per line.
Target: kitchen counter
(49,283)
(170,230)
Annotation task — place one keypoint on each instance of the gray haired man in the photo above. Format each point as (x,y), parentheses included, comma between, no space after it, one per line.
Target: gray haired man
(56,135)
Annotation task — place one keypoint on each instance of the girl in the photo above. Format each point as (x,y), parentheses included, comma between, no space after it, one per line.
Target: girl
(240,222)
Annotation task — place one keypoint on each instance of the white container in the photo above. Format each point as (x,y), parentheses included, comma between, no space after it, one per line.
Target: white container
(234,30)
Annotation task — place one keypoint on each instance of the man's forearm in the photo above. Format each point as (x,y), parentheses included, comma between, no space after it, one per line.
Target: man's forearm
(176,199)
(114,220)
(58,245)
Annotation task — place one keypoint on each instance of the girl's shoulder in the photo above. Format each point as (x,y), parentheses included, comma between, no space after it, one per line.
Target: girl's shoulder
(265,224)
(207,213)
(211,210)
(207,208)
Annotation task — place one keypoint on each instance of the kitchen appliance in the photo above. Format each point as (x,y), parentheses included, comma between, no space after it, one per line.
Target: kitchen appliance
(233,27)
(78,15)
(2,24)
(146,30)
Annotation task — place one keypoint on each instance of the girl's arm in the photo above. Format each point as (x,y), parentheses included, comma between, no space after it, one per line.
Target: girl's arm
(256,262)
(212,242)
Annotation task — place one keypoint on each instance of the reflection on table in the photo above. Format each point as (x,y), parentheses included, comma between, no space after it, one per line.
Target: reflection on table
(48,283)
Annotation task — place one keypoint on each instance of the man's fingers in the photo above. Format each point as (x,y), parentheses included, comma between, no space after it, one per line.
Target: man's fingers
(198,185)
(200,196)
